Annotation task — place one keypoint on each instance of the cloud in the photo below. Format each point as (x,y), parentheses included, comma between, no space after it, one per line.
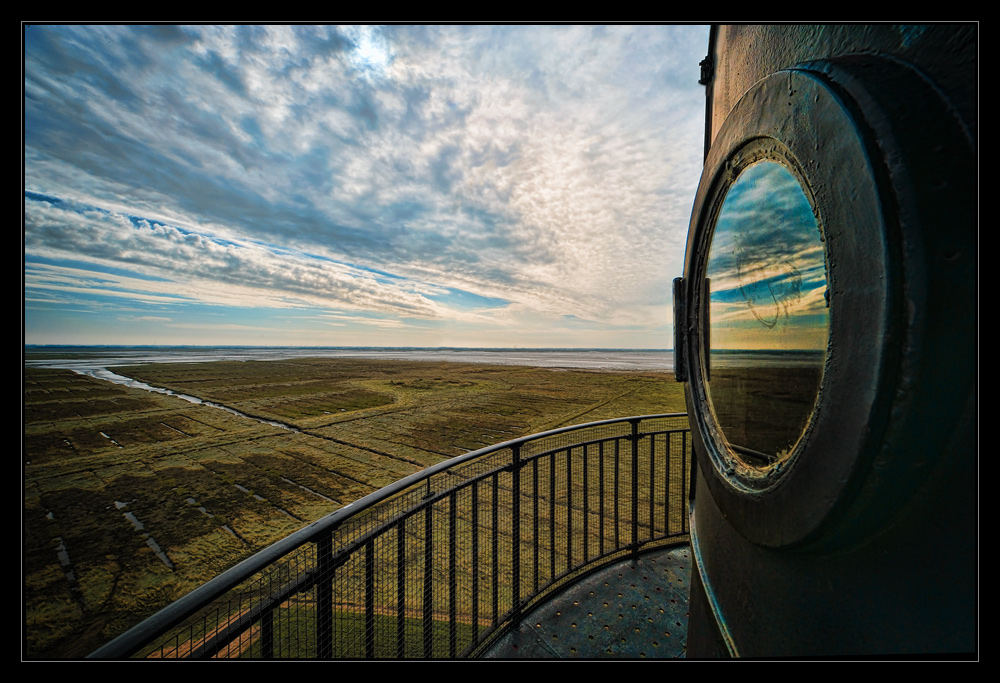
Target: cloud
(551,167)
(193,266)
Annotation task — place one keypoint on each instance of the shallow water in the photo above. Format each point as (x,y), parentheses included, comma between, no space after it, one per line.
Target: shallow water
(92,358)
(105,374)
(94,361)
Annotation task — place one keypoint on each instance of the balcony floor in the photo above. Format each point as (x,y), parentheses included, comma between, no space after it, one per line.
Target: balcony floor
(627,610)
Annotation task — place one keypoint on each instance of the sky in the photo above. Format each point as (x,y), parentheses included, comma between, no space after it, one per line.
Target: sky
(768,285)
(466,186)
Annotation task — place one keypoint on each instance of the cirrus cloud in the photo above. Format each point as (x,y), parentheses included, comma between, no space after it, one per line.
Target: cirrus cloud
(469,181)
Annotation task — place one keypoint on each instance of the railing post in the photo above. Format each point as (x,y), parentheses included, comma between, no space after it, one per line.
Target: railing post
(516,537)
(652,486)
(401,589)
(586,510)
(495,521)
(667,466)
(428,583)
(634,438)
(452,574)
(600,479)
(535,544)
(370,599)
(324,597)
(552,517)
(617,490)
(267,635)
(475,563)
(569,509)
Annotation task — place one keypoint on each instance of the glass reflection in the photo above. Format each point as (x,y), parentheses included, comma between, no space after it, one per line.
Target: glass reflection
(768,313)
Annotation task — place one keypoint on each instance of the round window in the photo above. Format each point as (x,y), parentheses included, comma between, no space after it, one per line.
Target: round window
(786,306)
(768,315)
(817,302)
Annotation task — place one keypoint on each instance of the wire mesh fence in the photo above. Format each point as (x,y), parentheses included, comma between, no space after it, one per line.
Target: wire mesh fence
(442,562)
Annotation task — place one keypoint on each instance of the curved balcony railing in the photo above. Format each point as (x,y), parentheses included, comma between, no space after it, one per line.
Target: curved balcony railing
(441,563)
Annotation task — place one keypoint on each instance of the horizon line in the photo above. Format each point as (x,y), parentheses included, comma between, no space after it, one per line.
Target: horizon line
(292,346)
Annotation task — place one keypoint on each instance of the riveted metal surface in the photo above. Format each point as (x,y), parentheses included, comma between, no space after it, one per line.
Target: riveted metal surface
(628,610)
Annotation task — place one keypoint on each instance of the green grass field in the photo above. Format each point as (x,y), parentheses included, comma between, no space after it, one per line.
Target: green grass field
(112,474)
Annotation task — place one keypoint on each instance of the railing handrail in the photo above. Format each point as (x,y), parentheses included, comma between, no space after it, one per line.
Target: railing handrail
(179,610)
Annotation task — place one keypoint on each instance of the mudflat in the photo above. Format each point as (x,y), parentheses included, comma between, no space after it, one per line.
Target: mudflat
(132,498)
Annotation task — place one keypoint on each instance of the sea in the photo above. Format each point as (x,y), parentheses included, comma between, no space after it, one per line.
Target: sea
(89,359)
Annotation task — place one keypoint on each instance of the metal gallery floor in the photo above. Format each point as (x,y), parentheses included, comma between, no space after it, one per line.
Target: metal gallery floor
(629,610)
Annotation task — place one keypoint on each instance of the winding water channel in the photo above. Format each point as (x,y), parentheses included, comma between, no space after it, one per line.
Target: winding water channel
(107,375)
(94,361)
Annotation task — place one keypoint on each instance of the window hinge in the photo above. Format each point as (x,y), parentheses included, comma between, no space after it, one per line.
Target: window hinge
(680,329)
(707,71)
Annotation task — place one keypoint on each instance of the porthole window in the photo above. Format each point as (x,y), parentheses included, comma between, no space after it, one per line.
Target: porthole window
(826,335)
(802,311)
(787,300)
(768,314)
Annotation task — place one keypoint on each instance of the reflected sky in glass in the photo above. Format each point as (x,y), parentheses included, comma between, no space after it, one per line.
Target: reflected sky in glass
(766,266)
(768,312)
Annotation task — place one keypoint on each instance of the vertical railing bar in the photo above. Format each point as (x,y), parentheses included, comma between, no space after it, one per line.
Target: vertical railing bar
(452,573)
(370,599)
(569,508)
(297,636)
(280,578)
(267,619)
(586,509)
(267,635)
(244,636)
(475,562)
(515,522)
(269,615)
(401,589)
(666,484)
(552,517)
(635,489)
(428,582)
(618,443)
(324,597)
(600,479)
(534,534)
(284,638)
(496,553)
(652,484)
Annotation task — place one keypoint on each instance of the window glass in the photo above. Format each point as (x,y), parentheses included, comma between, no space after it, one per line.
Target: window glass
(768,313)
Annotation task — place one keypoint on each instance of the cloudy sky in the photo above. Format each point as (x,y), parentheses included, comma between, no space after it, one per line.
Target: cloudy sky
(346,186)
(768,286)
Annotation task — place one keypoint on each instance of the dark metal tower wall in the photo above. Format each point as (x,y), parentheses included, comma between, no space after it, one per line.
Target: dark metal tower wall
(880,558)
